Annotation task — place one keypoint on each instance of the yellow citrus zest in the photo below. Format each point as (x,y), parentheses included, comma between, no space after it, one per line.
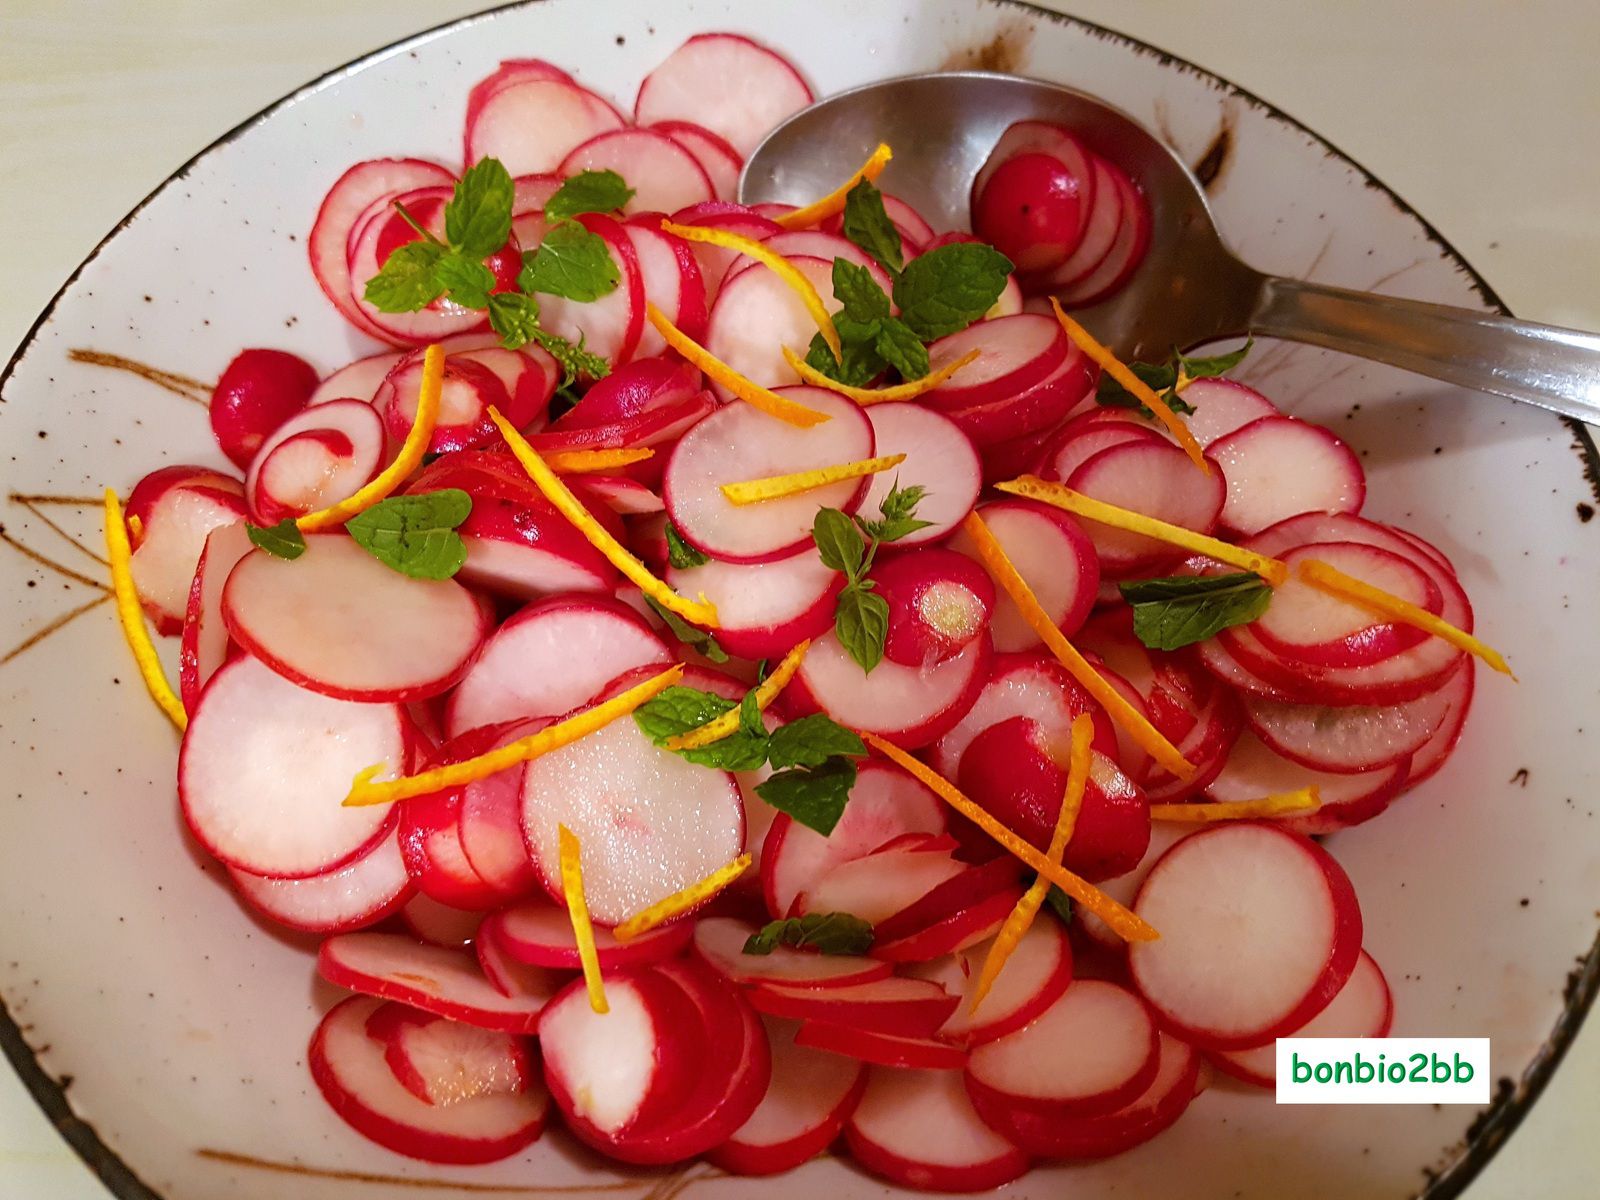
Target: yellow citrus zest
(884,395)
(571,860)
(727,724)
(1126,924)
(1280,804)
(1021,919)
(774,262)
(1328,578)
(775,487)
(1006,575)
(699,612)
(714,369)
(594,462)
(678,903)
(1113,366)
(1058,495)
(364,791)
(131,616)
(408,460)
(833,203)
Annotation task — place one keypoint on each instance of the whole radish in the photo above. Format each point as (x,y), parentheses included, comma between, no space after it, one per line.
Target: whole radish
(1031,210)
(939,601)
(259,390)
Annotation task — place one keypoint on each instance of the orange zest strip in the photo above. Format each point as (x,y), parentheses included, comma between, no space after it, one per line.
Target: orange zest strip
(679,903)
(1146,735)
(866,396)
(408,460)
(1279,804)
(698,612)
(833,203)
(725,725)
(1058,495)
(774,262)
(1113,366)
(717,371)
(131,616)
(594,462)
(364,791)
(1125,923)
(1021,919)
(578,911)
(775,487)
(1327,578)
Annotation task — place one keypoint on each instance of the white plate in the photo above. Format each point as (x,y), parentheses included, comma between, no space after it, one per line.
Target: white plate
(129,972)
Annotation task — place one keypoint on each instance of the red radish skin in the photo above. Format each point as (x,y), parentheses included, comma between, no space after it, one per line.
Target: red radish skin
(177,508)
(259,390)
(1080,440)
(358,380)
(1041,137)
(490,821)
(350,1070)
(1126,253)
(1276,467)
(1123,888)
(1014,354)
(1032,210)
(1036,973)
(1149,478)
(878,885)
(532,124)
(468,391)
(881,1049)
(535,931)
(720,161)
(265,764)
(1260,929)
(1436,751)
(919,1129)
(979,920)
(431,829)
(903,1007)
(506,975)
(672,281)
(529,196)
(719,943)
(343,468)
(1253,770)
(360,893)
(1059,395)
(735,218)
(427,920)
(510,71)
(725,83)
(1222,406)
(1099,232)
(664,174)
(939,457)
(612,325)
(973,887)
(757,314)
(765,610)
(1054,553)
(205,642)
(444,1062)
(939,602)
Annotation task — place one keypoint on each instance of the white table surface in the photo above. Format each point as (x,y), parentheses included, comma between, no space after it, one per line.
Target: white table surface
(1484,114)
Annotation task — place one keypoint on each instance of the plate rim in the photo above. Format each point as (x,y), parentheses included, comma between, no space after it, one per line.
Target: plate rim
(1484,1137)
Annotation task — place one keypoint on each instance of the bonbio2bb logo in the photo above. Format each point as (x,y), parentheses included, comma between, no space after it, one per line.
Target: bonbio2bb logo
(1383,1070)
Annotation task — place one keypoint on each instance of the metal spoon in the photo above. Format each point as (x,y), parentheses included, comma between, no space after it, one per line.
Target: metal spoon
(1190,287)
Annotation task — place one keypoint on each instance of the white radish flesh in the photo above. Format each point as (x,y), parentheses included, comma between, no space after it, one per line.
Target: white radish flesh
(491,822)
(1035,975)
(355,381)
(1348,740)
(535,931)
(757,314)
(445,1062)
(1254,770)
(939,458)
(294,489)
(1221,406)
(919,1129)
(438,924)
(719,943)
(1276,467)
(1014,353)
(1153,478)
(726,83)
(677,292)
(720,161)
(533,124)
(177,507)
(359,893)
(1056,557)
(764,609)
(879,885)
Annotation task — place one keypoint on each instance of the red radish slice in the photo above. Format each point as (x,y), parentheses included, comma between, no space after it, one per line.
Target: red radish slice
(741,442)
(1363,1008)
(1037,972)
(1260,928)
(885,804)
(810,1097)
(443,1062)
(939,457)
(720,161)
(765,610)
(427,920)
(178,508)
(610,326)
(1123,888)
(970,919)
(506,975)
(380,231)
(265,764)
(735,218)
(1014,353)
(355,191)
(725,83)
(535,931)
(491,817)
(1177,1081)
(468,390)
(1092,1051)
(881,1049)
(650,822)
(719,943)
(623,496)
(351,1071)
(879,885)
(1147,477)
(510,71)
(939,602)
(550,657)
(531,193)
(258,391)
(1436,751)
(1253,770)
(434,979)
(338,621)
(362,892)
(531,125)
(664,175)
(1099,232)
(1276,467)
(1079,442)
(1040,137)
(341,448)
(430,839)
(672,281)
(1053,399)
(1053,553)
(905,1007)
(908,706)
(1126,253)
(205,637)
(757,314)
(1032,208)
(355,381)
(1348,741)
(919,1129)
(1222,406)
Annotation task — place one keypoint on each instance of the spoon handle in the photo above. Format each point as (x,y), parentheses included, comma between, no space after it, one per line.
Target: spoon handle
(1555,368)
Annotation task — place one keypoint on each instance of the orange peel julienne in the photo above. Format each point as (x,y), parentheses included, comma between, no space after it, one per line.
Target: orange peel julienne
(833,203)
(571,863)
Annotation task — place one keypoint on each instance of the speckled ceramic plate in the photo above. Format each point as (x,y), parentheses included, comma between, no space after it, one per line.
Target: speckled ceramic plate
(164,1030)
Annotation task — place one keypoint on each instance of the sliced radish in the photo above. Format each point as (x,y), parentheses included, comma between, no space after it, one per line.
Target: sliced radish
(1099,232)
(1126,253)
(432,978)
(906,1007)
(766,609)
(438,924)
(1436,751)
(1036,973)
(1014,353)
(355,381)
(1221,406)
(1053,553)
(740,442)
(506,975)
(672,281)
(1349,740)
(1056,397)
(914,230)
(719,943)
(939,458)
(354,1077)
(623,496)
(1154,478)
(265,764)
(1080,440)
(323,472)
(205,642)
(470,387)
(757,314)
(882,1049)
(715,261)
(443,1062)
(1041,137)
(360,893)
(529,196)
(720,161)
(919,1129)
(1260,928)
(612,325)
(950,917)
(811,1096)
(725,83)
(550,657)
(532,124)
(1254,770)
(664,174)
(817,243)
(1276,467)
(177,508)
(880,884)
(491,815)
(939,603)
(1033,208)
(535,931)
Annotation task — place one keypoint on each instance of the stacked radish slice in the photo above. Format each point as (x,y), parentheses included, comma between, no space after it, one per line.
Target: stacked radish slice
(734,1029)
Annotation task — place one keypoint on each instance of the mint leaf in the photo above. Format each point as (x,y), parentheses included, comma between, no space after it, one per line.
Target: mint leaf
(689,635)
(515,318)
(465,280)
(838,542)
(739,751)
(416,535)
(868,226)
(826,933)
(572,263)
(861,622)
(750,719)
(901,348)
(861,363)
(898,514)
(1217,365)
(811,742)
(1161,378)
(407,280)
(477,220)
(283,540)
(855,288)
(1181,610)
(575,361)
(813,796)
(948,288)
(680,553)
(1060,904)
(586,192)
(678,710)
